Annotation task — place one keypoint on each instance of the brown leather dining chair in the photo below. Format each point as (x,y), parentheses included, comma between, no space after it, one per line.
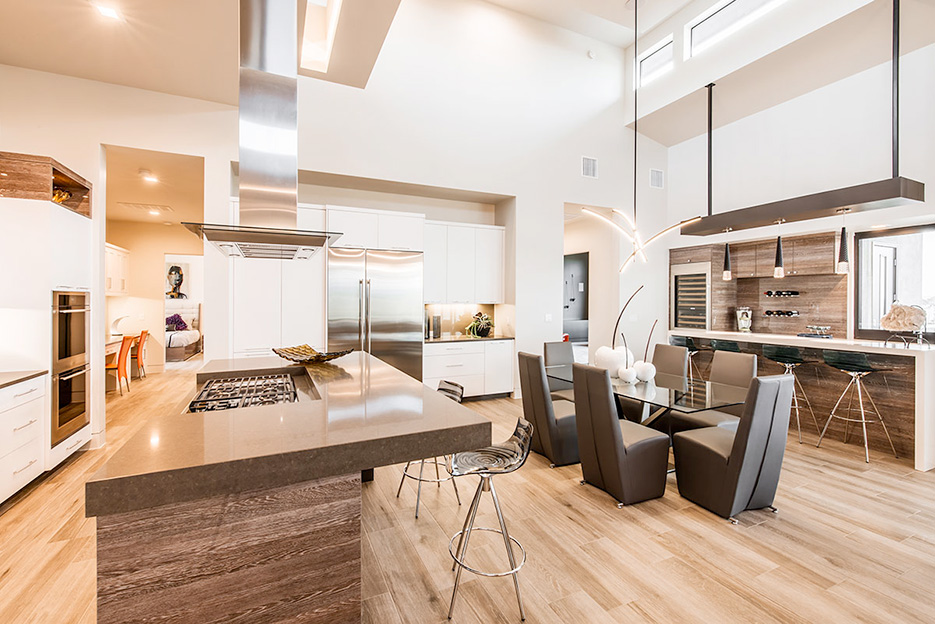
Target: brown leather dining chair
(623,458)
(727,472)
(727,368)
(554,432)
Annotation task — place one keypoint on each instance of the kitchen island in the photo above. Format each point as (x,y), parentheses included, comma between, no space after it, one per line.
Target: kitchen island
(904,390)
(254,513)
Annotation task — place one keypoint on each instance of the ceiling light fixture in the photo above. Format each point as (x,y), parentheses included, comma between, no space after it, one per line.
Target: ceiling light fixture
(843,264)
(155,212)
(779,267)
(107,11)
(727,275)
(149,176)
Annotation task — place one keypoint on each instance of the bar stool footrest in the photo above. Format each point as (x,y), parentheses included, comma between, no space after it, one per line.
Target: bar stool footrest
(435,461)
(461,563)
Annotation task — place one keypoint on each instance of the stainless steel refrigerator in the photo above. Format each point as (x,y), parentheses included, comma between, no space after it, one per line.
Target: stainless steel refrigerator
(375,305)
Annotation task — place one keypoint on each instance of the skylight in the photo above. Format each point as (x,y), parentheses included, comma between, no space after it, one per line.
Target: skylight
(656,61)
(722,20)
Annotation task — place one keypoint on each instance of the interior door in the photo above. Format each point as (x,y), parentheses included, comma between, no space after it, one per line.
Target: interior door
(883,258)
(395,311)
(346,277)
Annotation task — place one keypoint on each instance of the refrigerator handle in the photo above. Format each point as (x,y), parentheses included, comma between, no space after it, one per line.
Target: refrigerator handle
(369,311)
(360,316)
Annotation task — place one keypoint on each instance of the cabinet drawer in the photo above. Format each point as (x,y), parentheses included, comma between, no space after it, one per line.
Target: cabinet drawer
(456,364)
(448,348)
(473,384)
(20,467)
(20,393)
(20,425)
(65,449)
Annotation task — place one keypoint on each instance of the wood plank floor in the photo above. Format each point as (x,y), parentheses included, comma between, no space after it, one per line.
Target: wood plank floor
(852,542)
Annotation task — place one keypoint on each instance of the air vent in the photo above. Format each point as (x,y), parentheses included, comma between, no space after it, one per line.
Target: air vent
(657,178)
(149,208)
(588,167)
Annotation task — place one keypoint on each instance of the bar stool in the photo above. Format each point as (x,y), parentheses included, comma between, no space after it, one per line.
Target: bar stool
(791,358)
(455,392)
(858,366)
(486,462)
(688,343)
(725,345)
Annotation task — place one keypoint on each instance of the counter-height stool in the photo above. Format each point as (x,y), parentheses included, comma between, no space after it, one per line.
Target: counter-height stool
(858,366)
(791,358)
(557,353)
(725,345)
(486,463)
(455,392)
(688,343)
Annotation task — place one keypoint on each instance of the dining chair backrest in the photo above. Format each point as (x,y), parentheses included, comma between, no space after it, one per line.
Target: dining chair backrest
(600,443)
(537,402)
(671,360)
(759,444)
(733,369)
(144,335)
(123,356)
(558,353)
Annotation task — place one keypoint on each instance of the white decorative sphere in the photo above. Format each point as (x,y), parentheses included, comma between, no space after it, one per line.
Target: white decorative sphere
(613,359)
(644,371)
(627,375)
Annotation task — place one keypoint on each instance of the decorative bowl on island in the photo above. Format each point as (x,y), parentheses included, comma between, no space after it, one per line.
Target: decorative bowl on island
(304,354)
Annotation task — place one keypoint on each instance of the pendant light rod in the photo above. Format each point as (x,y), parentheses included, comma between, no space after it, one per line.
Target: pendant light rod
(636,91)
(895,69)
(710,89)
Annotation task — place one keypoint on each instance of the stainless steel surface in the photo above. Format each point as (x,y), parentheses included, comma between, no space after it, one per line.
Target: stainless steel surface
(70,393)
(248,391)
(268,117)
(375,304)
(71,329)
(263,242)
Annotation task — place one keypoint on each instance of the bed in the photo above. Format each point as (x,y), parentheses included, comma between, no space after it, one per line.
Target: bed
(182,344)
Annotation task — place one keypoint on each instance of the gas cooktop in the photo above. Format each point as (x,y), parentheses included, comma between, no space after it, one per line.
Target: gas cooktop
(230,393)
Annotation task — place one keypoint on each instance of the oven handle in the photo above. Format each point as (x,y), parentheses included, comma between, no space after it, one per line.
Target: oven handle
(70,311)
(73,375)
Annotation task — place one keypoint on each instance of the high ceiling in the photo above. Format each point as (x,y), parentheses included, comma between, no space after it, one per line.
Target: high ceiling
(180,186)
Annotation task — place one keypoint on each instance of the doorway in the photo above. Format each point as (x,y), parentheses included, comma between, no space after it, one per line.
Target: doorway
(575,303)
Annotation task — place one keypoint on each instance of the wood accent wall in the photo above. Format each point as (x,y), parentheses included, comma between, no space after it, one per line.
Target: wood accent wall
(284,554)
(893,390)
(35,177)
(809,262)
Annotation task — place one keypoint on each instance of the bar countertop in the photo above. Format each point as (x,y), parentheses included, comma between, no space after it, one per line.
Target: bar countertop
(360,413)
(843,344)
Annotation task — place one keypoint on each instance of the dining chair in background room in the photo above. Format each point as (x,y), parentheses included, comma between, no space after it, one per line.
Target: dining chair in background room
(121,363)
(559,353)
(623,458)
(727,472)
(138,352)
(729,369)
(554,432)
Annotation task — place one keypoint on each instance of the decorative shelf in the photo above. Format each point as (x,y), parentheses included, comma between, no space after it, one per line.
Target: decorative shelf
(26,176)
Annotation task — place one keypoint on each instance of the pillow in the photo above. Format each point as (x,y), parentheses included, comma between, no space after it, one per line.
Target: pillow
(176,320)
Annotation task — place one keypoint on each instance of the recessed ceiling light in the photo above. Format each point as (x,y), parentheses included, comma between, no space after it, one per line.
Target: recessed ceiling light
(107,11)
(3,174)
(155,213)
(149,176)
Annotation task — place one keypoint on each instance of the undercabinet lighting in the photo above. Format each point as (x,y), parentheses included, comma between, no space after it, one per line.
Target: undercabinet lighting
(107,11)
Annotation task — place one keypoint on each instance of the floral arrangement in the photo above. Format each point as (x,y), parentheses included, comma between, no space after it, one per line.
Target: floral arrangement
(177,322)
(480,326)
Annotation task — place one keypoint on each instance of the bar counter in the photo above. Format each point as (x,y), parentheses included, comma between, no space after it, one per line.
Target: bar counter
(210,516)
(904,391)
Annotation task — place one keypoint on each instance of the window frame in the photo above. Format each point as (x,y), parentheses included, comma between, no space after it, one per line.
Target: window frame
(733,28)
(881,334)
(668,40)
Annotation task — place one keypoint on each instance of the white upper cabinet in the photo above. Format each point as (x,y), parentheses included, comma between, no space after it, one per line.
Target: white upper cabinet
(435,263)
(71,249)
(360,228)
(400,232)
(116,270)
(488,265)
(461,255)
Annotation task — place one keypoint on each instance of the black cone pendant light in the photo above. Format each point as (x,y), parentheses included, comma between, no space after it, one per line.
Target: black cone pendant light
(779,267)
(843,256)
(727,275)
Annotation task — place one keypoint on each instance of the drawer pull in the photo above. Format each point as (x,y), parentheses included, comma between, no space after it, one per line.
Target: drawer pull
(16,472)
(75,445)
(453,365)
(454,348)
(21,427)
(30,391)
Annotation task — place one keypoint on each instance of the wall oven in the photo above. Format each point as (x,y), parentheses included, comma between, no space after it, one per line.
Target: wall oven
(70,376)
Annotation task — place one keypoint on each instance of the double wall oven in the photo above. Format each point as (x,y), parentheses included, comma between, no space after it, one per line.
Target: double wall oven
(71,330)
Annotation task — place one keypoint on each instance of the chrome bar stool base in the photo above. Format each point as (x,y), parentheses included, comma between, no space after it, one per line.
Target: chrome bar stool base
(856,386)
(438,480)
(797,391)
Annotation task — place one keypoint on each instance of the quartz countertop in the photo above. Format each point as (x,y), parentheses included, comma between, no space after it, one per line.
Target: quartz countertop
(464,338)
(369,414)
(843,344)
(10,378)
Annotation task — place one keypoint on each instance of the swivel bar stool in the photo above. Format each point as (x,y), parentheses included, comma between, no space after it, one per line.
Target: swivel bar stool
(791,358)
(455,392)
(688,343)
(858,366)
(486,462)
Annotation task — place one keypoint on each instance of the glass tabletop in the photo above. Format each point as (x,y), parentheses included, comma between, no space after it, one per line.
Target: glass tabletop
(668,391)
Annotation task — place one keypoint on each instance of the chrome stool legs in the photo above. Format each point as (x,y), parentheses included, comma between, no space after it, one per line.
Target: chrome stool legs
(856,385)
(797,389)
(693,368)
(464,537)
(438,480)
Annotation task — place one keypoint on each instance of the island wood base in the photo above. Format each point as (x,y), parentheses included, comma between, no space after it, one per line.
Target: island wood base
(289,553)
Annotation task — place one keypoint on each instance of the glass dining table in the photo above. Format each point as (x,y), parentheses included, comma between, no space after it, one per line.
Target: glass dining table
(668,393)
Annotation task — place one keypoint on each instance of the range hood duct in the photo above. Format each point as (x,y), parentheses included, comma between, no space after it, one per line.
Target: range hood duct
(268,115)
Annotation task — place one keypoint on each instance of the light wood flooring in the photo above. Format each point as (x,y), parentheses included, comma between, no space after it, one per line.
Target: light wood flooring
(852,542)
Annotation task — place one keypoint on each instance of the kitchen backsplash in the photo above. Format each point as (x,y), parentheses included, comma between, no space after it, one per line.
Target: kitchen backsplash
(455,317)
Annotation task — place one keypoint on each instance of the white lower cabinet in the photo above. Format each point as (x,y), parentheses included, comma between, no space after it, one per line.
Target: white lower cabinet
(21,458)
(482,367)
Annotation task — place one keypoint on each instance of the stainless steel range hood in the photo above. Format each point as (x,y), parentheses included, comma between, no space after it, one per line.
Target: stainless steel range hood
(268,141)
